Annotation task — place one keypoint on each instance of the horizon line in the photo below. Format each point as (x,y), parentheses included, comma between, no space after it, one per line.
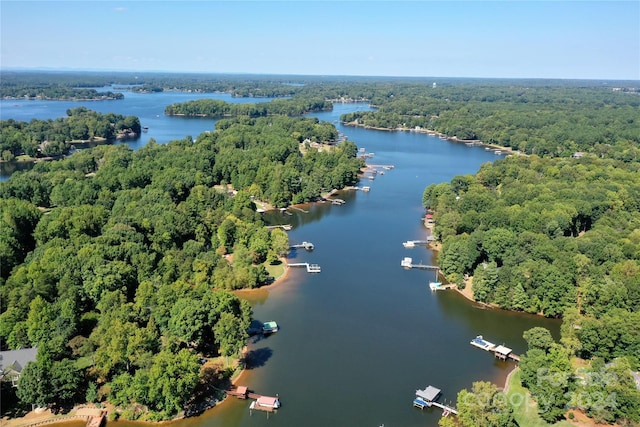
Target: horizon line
(241,73)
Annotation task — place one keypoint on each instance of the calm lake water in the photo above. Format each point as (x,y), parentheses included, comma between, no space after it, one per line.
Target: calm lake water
(359,338)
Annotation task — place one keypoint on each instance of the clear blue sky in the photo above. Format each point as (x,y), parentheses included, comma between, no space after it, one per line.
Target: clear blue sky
(539,39)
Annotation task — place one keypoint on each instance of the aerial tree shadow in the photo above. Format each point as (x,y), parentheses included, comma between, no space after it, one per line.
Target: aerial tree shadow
(257,358)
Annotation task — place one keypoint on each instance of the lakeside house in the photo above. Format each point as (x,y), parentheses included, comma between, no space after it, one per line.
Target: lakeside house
(12,363)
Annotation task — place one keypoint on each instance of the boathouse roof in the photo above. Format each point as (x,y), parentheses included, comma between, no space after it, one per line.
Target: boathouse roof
(502,350)
(429,394)
(242,389)
(267,401)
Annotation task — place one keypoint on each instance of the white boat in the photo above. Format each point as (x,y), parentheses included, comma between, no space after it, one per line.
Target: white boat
(480,342)
(434,286)
(409,244)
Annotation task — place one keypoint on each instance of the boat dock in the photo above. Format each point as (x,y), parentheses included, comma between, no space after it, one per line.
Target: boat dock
(261,403)
(407,262)
(285,227)
(386,167)
(437,286)
(499,351)
(264,403)
(308,246)
(428,398)
(311,268)
(414,243)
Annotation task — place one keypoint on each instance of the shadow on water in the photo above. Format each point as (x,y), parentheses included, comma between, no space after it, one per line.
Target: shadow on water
(258,357)
(313,212)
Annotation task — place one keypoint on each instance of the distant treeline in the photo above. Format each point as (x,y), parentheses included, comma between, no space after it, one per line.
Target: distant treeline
(56,85)
(54,137)
(547,121)
(216,108)
(57,93)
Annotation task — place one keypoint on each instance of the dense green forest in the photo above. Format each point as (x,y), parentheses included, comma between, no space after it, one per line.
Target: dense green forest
(547,121)
(557,237)
(215,108)
(117,264)
(51,138)
(108,256)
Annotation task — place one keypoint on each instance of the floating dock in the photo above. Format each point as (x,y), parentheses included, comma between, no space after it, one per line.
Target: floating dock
(311,268)
(499,351)
(386,167)
(308,246)
(407,262)
(414,243)
(428,397)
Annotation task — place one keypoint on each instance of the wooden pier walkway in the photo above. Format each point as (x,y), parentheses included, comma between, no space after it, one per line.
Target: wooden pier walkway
(311,268)
(285,227)
(407,262)
(445,407)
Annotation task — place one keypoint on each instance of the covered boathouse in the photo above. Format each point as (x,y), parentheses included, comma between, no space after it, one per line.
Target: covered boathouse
(426,397)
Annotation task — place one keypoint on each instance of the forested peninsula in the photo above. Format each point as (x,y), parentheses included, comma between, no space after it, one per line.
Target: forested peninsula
(54,138)
(117,264)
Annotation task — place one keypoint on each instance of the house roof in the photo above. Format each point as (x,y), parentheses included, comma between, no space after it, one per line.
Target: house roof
(429,394)
(16,360)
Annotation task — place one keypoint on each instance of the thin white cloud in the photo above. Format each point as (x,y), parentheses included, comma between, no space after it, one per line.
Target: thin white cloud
(121,9)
